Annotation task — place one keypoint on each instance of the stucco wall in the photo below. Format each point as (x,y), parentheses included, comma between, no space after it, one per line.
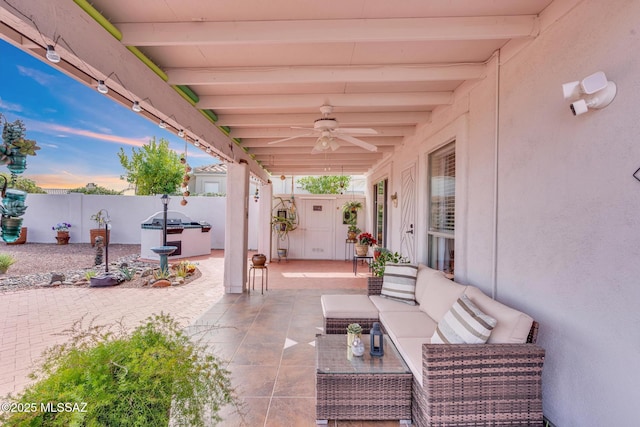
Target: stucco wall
(126,212)
(567,215)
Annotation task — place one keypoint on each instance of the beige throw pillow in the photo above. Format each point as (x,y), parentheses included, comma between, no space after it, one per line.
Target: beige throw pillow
(464,323)
(399,282)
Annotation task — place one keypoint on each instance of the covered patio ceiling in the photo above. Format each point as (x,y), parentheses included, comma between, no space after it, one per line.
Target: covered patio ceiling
(260,70)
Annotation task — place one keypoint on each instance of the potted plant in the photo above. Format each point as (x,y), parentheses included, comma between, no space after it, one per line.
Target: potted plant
(353,330)
(364,241)
(378,265)
(352,232)
(62,229)
(350,212)
(13,153)
(100,219)
(6,261)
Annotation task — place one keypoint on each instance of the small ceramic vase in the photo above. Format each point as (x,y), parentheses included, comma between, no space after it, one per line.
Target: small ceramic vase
(357,347)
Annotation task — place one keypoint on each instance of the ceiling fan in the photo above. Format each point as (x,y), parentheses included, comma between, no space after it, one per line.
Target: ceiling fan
(329,131)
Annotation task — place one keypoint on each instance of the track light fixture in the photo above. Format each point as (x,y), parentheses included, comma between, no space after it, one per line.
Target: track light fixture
(208,150)
(181,133)
(162,124)
(136,107)
(52,55)
(196,142)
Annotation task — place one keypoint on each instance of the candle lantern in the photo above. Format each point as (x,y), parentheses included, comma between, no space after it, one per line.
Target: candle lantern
(377,342)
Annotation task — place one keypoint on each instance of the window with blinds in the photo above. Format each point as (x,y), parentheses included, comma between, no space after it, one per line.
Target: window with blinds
(442,167)
(442,208)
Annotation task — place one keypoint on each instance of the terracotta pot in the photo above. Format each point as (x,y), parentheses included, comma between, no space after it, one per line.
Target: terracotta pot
(22,239)
(95,232)
(63,237)
(258,260)
(351,235)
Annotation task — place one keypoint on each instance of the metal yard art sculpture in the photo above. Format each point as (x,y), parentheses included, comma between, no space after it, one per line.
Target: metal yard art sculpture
(13,153)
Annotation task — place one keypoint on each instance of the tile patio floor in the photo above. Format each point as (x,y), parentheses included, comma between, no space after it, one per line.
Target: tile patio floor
(267,339)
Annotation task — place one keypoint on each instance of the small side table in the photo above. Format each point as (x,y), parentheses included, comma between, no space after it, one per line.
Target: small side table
(264,277)
(357,258)
(349,248)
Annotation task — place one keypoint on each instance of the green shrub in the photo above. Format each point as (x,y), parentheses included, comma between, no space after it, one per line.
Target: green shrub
(378,265)
(6,261)
(128,272)
(141,378)
(89,274)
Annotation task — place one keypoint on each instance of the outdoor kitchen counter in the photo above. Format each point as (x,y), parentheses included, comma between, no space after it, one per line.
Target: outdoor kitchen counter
(192,238)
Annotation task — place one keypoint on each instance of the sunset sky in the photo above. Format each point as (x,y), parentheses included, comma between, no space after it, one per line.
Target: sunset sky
(79,130)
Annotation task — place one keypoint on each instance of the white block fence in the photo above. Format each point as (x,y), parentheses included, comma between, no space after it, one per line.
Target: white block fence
(126,212)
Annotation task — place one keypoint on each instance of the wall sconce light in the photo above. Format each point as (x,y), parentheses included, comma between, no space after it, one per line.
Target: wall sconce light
(597,90)
(394,199)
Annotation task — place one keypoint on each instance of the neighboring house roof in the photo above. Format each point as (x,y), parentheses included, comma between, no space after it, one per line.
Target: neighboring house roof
(56,190)
(216,168)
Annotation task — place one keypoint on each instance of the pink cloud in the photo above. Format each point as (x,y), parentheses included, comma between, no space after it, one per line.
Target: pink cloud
(136,142)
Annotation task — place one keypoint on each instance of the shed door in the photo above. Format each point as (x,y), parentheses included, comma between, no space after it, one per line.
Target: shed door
(317,227)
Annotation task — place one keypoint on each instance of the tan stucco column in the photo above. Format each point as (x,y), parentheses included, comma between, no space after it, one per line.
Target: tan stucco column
(264,219)
(236,228)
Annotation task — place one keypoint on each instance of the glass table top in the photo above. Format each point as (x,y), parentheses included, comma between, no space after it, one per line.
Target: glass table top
(334,356)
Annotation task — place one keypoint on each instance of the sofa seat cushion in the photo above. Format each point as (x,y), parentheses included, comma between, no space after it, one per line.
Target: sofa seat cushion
(348,306)
(387,304)
(439,295)
(411,351)
(464,323)
(512,326)
(407,324)
(399,282)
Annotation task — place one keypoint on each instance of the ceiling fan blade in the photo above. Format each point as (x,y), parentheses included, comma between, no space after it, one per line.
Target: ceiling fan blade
(360,131)
(358,142)
(291,137)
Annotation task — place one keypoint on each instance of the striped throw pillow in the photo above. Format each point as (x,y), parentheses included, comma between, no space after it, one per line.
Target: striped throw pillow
(399,282)
(464,323)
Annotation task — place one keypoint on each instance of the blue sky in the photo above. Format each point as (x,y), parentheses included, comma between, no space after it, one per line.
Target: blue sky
(79,130)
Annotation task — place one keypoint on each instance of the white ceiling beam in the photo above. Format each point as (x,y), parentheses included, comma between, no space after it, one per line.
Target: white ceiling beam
(284,102)
(310,142)
(302,150)
(314,160)
(326,74)
(402,118)
(285,132)
(328,31)
(317,170)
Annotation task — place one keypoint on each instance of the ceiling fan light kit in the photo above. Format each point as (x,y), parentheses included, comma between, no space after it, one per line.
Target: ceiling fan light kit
(330,130)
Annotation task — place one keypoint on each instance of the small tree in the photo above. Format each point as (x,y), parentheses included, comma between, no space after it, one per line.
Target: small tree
(153,169)
(325,184)
(25,184)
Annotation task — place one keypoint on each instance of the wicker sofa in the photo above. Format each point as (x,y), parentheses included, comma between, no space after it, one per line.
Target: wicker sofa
(493,384)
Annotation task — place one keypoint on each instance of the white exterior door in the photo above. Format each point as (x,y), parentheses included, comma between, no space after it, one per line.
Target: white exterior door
(318,217)
(408,213)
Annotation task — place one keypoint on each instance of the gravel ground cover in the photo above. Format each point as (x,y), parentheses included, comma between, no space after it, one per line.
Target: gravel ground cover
(36,262)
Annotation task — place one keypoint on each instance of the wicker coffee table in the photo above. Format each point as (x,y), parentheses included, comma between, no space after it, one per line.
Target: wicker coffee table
(362,388)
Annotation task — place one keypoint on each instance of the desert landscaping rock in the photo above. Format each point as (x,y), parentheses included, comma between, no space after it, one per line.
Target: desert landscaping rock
(39,265)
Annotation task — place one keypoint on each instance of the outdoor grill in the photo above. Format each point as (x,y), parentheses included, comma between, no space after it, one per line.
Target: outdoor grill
(192,238)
